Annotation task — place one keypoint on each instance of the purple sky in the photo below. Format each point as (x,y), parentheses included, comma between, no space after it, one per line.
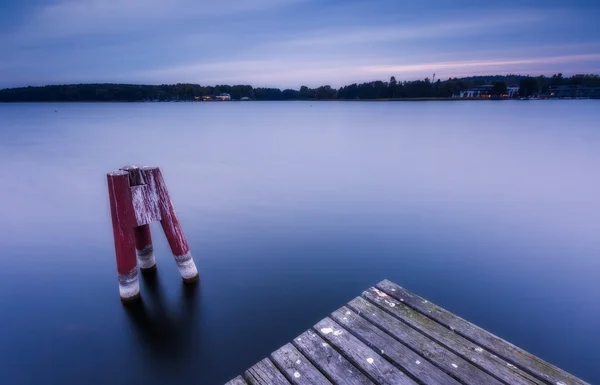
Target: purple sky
(287,43)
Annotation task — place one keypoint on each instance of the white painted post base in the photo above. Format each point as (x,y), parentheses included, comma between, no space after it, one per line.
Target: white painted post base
(146,259)
(187,267)
(129,286)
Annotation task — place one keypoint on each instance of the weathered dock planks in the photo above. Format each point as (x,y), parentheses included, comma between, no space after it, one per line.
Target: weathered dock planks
(391,336)
(295,366)
(264,373)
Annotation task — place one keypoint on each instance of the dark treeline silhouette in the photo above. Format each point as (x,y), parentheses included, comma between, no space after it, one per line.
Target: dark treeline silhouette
(391,89)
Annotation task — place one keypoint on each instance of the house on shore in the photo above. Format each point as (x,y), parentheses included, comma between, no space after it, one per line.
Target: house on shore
(487,92)
(512,91)
(223,96)
(484,91)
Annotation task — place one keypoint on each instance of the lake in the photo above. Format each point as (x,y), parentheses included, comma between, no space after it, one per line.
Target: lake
(490,209)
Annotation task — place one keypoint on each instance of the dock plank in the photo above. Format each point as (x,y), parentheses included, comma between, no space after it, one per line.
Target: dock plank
(447,338)
(511,353)
(375,338)
(237,381)
(296,367)
(389,335)
(443,358)
(265,373)
(335,367)
(362,356)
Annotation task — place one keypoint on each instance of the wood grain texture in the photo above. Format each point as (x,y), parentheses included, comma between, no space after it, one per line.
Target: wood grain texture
(391,349)
(485,360)
(511,353)
(265,373)
(145,203)
(237,381)
(144,195)
(331,363)
(169,220)
(443,358)
(362,356)
(297,368)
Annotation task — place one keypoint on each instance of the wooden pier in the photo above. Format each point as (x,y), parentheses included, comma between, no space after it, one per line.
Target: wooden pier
(391,336)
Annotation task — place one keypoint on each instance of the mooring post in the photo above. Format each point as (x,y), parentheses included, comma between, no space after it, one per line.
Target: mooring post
(123,221)
(174,233)
(144,248)
(143,238)
(138,197)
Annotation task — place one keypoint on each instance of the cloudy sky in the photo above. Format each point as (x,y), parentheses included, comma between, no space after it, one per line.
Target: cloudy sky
(287,43)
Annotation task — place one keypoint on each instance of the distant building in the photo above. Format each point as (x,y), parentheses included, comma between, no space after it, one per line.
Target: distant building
(223,96)
(206,98)
(485,92)
(476,92)
(245,98)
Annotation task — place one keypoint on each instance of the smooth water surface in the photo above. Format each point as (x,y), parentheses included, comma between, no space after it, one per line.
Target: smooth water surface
(489,209)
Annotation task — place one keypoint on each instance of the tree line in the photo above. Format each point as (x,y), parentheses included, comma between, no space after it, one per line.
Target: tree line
(391,89)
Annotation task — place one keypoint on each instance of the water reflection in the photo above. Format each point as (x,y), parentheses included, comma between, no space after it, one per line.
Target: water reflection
(165,333)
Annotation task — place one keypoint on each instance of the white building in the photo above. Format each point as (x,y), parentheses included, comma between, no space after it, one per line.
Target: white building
(223,96)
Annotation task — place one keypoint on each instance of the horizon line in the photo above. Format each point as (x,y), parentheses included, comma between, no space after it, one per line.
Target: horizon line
(324,85)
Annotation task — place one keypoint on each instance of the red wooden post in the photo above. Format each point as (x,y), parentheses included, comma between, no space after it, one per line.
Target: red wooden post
(143,239)
(138,197)
(123,219)
(144,248)
(172,228)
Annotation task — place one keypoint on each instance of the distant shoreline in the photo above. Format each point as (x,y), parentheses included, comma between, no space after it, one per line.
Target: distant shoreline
(492,87)
(288,100)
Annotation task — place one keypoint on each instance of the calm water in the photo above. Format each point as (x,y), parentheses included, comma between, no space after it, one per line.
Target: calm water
(489,209)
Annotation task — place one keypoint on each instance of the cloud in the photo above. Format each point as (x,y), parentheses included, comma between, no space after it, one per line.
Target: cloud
(282,43)
(328,54)
(268,72)
(490,65)
(76,17)
(293,73)
(343,35)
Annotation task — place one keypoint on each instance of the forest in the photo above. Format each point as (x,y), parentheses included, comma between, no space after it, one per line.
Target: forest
(391,89)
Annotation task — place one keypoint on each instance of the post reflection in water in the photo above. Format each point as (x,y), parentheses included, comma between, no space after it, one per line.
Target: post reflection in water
(166,333)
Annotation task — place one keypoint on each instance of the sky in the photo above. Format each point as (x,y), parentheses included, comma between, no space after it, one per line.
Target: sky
(289,43)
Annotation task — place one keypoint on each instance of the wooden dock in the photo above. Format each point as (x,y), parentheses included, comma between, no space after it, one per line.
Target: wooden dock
(391,336)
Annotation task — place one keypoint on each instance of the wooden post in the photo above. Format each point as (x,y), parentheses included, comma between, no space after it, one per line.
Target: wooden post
(143,238)
(123,220)
(138,197)
(172,228)
(144,248)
